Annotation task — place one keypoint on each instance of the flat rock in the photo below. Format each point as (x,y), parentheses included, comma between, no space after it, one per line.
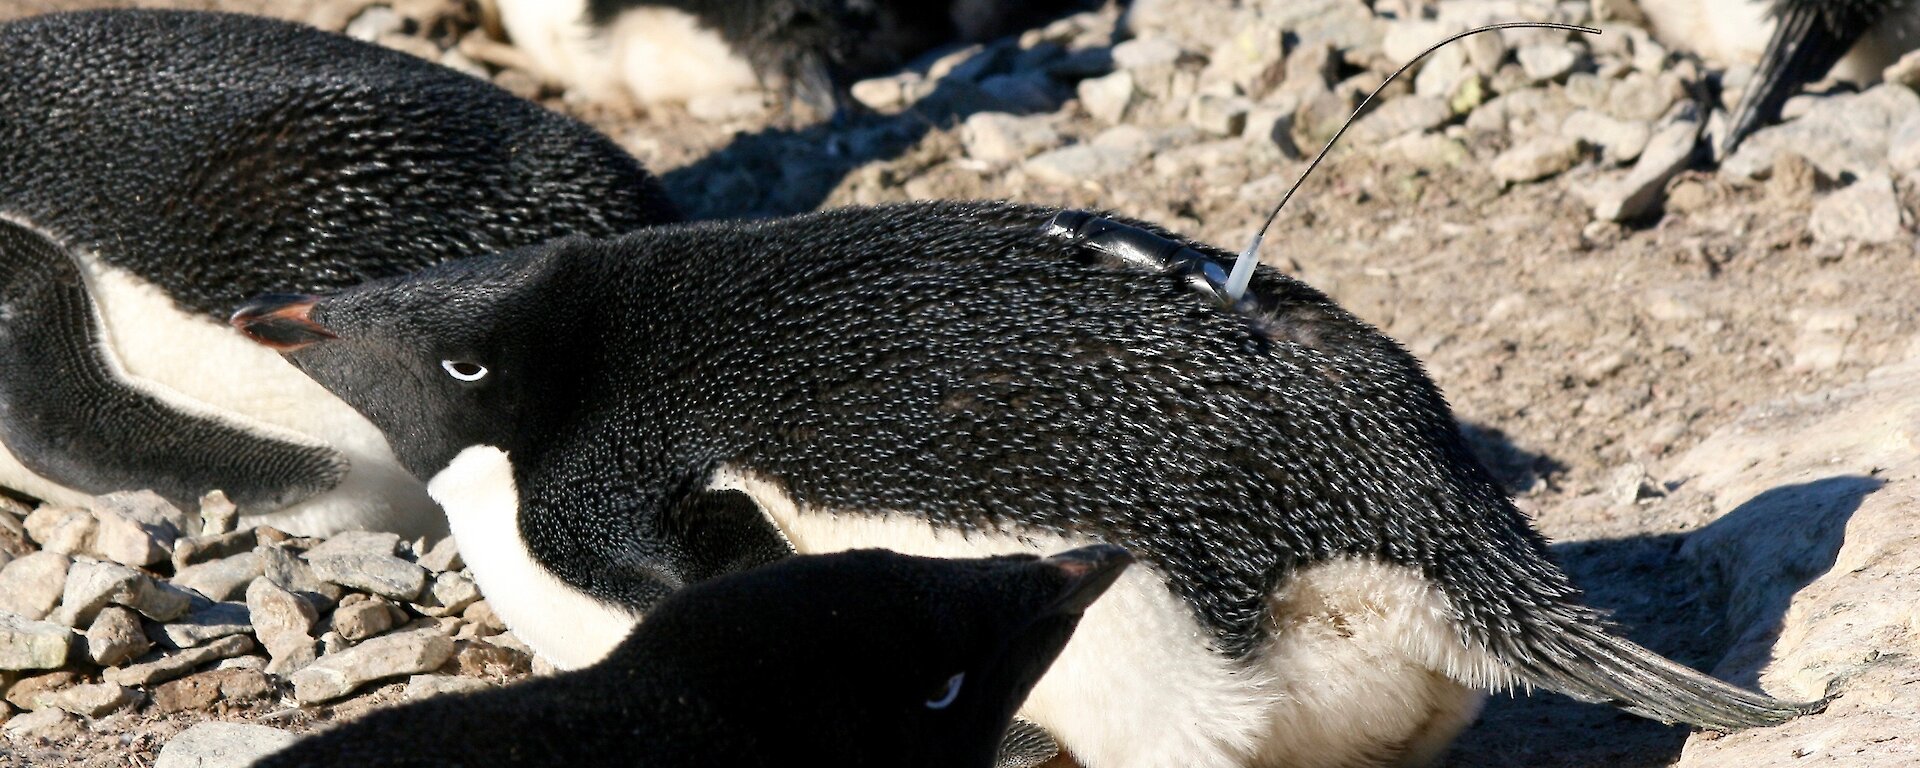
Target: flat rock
(423,686)
(1843,135)
(116,637)
(999,138)
(45,725)
(1407,114)
(1641,189)
(222,579)
(222,745)
(1536,159)
(293,574)
(89,699)
(283,623)
(379,574)
(1903,150)
(359,620)
(357,543)
(29,644)
(199,549)
(1219,115)
(450,594)
(1620,141)
(180,663)
(207,622)
(443,556)
(218,514)
(1109,98)
(31,585)
(136,528)
(1817,558)
(25,693)
(203,690)
(1867,210)
(92,586)
(65,530)
(1073,165)
(1547,61)
(406,653)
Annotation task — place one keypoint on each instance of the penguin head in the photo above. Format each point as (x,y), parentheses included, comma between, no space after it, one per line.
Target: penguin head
(440,360)
(908,660)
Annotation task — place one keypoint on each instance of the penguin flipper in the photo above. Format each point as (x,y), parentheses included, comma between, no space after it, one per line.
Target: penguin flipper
(1593,665)
(69,417)
(1809,37)
(1026,746)
(712,533)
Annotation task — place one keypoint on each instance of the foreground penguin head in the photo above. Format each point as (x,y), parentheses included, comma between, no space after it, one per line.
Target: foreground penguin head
(446,359)
(851,659)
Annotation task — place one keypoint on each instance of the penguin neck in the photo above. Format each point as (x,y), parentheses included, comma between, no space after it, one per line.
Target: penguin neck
(481,496)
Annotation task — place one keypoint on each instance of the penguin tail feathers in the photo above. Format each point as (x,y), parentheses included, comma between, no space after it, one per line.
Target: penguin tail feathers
(1590,664)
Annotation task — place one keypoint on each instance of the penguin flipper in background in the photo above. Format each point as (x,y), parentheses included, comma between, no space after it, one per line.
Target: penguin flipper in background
(1809,37)
(65,406)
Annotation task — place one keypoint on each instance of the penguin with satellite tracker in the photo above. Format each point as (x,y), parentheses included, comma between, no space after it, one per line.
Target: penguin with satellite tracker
(853,659)
(139,203)
(1804,41)
(809,50)
(1326,575)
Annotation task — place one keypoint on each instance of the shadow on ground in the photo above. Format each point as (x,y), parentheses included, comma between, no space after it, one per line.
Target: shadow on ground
(781,171)
(1660,600)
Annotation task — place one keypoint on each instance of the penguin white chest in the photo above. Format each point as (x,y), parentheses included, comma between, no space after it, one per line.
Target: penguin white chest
(568,626)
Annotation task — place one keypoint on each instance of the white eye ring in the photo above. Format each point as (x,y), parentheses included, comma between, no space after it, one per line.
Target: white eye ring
(953,692)
(464,371)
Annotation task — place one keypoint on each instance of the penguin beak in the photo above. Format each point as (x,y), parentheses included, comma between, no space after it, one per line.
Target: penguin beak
(1089,571)
(281,321)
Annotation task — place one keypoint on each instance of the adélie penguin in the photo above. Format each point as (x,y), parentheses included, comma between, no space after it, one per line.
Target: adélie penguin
(866,658)
(657,51)
(1791,43)
(1326,575)
(157,168)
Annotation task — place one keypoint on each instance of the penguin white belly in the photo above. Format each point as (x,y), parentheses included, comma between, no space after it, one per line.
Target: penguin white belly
(1360,669)
(569,627)
(655,54)
(1733,32)
(202,367)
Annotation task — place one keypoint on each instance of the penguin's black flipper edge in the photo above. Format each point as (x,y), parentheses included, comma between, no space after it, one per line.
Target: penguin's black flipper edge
(1809,37)
(1026,746)
(1593,665)
(716,532)
(68,417)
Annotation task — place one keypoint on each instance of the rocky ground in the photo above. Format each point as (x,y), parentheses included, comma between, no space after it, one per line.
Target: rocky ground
(1701,374)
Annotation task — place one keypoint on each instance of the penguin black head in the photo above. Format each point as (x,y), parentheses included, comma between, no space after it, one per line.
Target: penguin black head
(863,658)
(439,360)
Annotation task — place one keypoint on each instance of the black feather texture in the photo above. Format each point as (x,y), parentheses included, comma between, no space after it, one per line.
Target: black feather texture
(222,156)
(822,660)
(953,362)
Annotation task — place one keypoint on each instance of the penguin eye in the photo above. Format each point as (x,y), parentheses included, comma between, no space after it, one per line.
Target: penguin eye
(947,692)
(463,370)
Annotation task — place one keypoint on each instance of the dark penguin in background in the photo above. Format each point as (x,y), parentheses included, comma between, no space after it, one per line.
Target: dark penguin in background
(812,50)
(157,168)
(1326,574)
(853,659)
(1805,41)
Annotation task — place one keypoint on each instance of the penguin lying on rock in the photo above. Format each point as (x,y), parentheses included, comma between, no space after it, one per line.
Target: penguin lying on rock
(865,658)
(675,50)
(1804,41)
(157,168)
(1326,575)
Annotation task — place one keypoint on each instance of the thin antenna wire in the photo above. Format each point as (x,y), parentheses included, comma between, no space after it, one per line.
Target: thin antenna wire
(1243,267)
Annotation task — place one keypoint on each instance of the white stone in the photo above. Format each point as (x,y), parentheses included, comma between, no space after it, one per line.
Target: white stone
(222,745)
